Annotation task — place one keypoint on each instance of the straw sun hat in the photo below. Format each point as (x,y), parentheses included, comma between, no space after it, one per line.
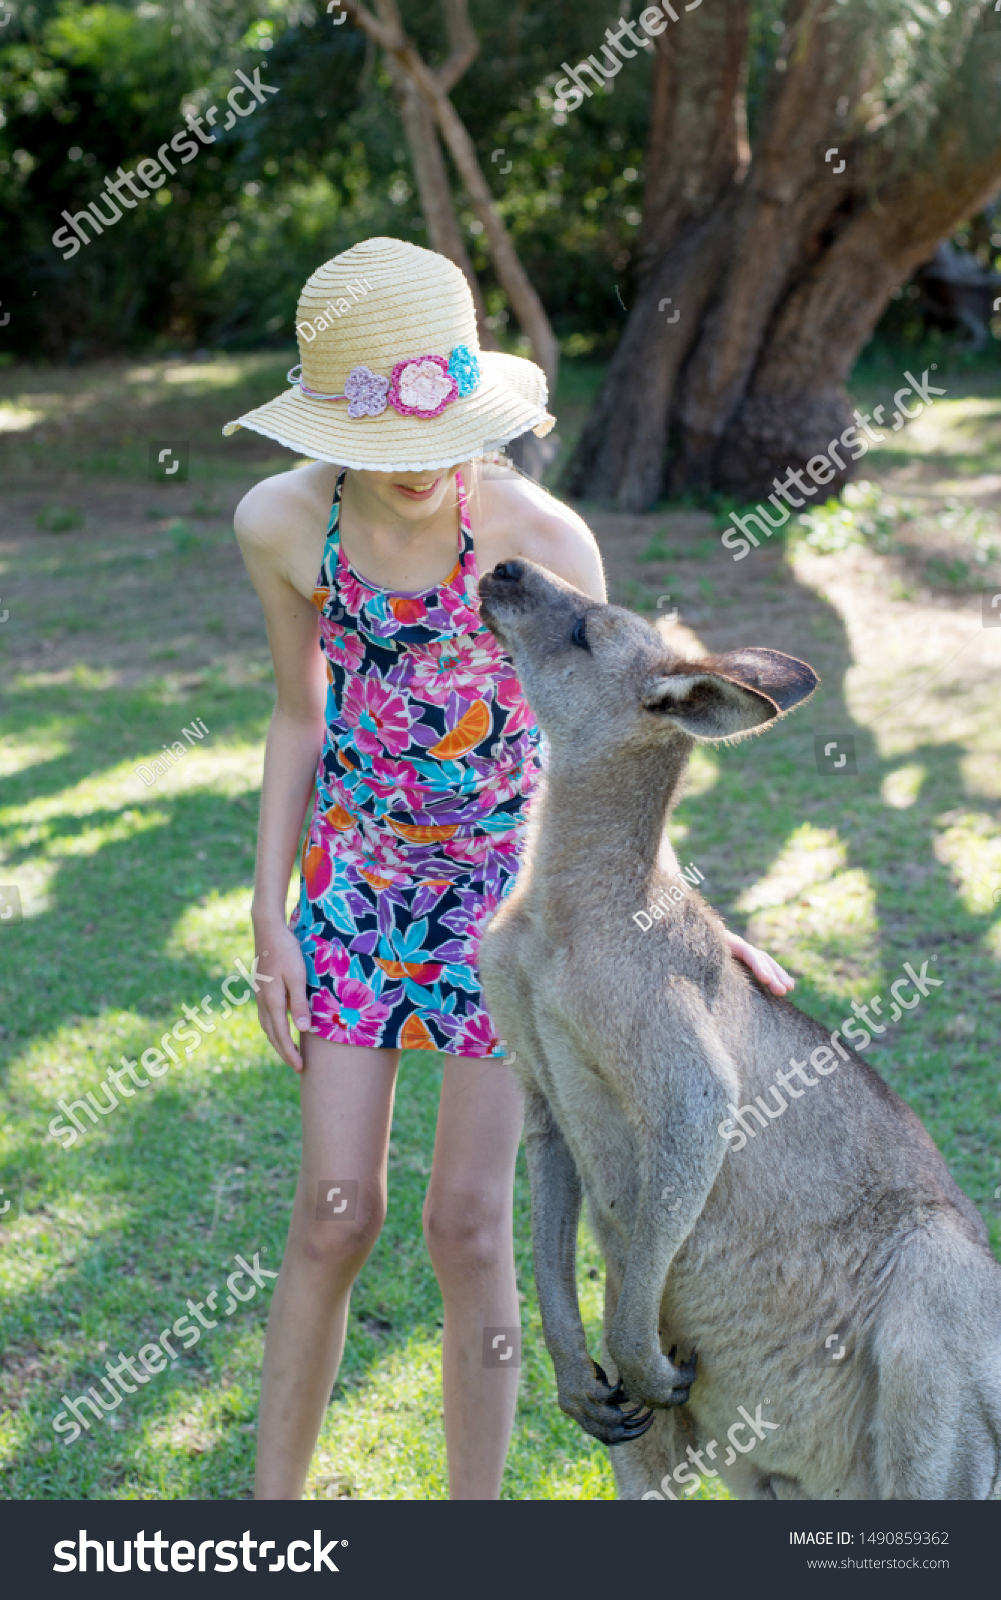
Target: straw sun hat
(392,378)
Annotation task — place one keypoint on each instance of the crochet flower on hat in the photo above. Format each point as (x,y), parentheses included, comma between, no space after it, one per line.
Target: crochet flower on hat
(422,387)
(366,391)
(464,368)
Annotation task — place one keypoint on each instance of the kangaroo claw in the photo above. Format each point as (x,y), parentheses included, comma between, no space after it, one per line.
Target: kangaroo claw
(634,1430)
(598,1409)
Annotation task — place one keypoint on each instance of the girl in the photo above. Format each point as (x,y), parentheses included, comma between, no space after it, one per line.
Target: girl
(406,735)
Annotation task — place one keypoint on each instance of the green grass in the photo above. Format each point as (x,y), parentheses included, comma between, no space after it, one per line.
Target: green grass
(139,902)
(136,901)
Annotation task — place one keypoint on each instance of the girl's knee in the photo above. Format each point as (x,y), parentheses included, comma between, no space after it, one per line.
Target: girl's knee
(336,1244)
(468,1232)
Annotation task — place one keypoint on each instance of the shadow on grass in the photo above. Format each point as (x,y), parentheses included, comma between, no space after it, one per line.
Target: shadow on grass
(940,1056)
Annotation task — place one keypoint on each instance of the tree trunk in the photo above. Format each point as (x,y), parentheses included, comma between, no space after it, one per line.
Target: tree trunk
(779,269)
(387,30)
(695,163)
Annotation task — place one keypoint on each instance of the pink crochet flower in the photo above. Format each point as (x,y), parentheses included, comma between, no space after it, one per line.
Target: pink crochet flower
(366,391)
(421,387)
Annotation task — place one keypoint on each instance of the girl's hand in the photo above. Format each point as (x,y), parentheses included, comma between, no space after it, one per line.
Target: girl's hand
(281,959)
(763,966)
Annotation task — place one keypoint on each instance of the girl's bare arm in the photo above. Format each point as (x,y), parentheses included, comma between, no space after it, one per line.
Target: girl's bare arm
(295,739)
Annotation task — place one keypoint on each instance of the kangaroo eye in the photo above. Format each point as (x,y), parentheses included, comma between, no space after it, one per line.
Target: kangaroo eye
(579,635)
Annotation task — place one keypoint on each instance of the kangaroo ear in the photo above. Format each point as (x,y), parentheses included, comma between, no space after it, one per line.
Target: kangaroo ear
(730,694)
(784,679)
(704,705)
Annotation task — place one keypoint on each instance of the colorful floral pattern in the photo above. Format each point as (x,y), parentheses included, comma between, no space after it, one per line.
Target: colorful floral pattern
(422,387)
(409,851)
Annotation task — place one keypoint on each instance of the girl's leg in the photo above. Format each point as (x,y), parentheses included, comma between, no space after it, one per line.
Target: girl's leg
(468,1227)
(347,1107)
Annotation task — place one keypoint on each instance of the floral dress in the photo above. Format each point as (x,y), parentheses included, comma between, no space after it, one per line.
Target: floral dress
(430,758)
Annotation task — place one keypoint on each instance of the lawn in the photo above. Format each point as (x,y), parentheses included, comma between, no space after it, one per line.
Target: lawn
(128,617)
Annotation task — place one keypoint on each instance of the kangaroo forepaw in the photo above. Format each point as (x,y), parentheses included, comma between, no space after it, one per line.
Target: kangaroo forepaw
(688,1368)
(598,1408)
(662,1383)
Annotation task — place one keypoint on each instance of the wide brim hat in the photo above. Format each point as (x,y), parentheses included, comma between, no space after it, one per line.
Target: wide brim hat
(391,375)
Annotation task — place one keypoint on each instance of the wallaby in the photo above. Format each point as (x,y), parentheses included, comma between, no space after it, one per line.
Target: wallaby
(838,1218)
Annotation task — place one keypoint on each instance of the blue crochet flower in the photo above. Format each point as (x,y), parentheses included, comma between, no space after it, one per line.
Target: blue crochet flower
(464,368)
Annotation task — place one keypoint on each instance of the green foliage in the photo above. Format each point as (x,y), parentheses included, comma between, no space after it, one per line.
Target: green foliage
(59,519)
(181,537)
(218,255)
(864,513)
(974,526)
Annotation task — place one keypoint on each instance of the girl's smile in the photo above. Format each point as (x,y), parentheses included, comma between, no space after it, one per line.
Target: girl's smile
(417,491)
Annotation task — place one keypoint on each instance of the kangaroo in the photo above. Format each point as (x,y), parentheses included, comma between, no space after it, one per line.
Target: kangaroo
(729,1268)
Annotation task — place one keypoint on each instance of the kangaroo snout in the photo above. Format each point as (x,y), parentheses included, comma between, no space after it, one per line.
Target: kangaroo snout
(515,590)
(526,586)
(509,571)
(508,588)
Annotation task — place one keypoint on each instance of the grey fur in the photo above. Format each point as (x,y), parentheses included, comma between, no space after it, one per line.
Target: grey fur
(840,1216)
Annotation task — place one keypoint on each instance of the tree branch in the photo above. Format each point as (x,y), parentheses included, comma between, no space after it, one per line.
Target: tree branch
(463,44)
(387,31)
(428,162)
